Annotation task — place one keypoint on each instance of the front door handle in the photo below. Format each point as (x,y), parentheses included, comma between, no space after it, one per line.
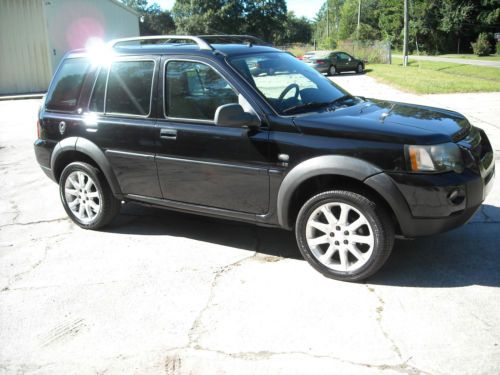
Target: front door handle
(168,134)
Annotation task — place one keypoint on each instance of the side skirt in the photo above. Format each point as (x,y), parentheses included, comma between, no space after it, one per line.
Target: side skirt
(201,210)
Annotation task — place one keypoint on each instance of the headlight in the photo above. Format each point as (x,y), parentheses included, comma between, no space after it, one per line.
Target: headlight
(436,158)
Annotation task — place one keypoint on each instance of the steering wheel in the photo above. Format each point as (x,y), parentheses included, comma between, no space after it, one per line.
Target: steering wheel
(290,87)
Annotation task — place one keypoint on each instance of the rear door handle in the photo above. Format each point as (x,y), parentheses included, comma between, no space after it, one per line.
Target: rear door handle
(167,133)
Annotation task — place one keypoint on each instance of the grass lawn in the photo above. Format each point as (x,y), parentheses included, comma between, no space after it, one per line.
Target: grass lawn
(473,57)
(429,77)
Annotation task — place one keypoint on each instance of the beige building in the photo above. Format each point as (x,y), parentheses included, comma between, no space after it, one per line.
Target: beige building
(35,35)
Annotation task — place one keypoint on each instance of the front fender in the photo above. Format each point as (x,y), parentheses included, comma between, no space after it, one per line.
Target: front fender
(322,165)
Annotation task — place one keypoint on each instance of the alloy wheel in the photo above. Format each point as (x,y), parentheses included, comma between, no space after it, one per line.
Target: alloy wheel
(82,196)
(340,236)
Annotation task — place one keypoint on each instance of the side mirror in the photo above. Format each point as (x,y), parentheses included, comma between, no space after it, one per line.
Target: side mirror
(233,115)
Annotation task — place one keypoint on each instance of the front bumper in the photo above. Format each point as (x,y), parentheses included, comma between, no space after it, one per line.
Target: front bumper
(426,204)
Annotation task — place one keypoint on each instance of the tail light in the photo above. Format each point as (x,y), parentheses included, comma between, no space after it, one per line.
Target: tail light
(38,128)
(320,61)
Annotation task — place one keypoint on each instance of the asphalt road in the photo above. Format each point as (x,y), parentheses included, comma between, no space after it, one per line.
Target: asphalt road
(161,292)
(493,64)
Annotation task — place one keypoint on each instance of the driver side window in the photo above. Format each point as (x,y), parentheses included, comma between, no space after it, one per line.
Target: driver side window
(343,56)
(194,90)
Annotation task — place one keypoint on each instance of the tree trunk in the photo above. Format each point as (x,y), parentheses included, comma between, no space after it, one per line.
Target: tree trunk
(458,45)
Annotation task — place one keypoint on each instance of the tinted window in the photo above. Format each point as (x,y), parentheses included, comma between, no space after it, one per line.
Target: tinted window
(65,90)
(97,101)
(343,56)
(194,90)
(129,87)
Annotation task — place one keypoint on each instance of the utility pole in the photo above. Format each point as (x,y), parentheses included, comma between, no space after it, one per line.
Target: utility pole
(359,17)
(327,19)
(405,30)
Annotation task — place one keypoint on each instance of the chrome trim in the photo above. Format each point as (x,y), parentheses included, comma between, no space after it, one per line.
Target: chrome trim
(131,154)
(215,164)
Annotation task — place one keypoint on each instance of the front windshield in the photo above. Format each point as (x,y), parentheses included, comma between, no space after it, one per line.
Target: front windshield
(289,85)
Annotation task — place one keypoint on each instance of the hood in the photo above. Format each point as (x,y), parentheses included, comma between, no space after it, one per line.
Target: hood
(387,121)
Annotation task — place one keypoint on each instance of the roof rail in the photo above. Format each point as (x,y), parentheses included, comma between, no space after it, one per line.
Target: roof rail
(199,41)
(217,38)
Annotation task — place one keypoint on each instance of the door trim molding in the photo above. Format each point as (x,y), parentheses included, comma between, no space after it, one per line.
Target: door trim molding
(261,170)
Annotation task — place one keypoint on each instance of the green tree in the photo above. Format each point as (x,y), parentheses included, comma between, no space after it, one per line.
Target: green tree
(157,21)
(454,15)
(265,18)
(154,20)
(208,16)
(326,24)
(295,30)
(390,20)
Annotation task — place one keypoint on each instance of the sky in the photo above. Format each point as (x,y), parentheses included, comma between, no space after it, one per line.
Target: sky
(307,8)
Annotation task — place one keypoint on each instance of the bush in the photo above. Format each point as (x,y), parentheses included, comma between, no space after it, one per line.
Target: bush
(481,46)
(375,52)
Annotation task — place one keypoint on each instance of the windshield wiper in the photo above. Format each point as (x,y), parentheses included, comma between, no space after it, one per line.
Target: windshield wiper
(310,105)
(341,99)
(314,105)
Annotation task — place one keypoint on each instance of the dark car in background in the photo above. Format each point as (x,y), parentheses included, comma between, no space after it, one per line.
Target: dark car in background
(333,62)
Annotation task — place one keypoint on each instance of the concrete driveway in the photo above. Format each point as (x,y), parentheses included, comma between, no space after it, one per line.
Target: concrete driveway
(161,292)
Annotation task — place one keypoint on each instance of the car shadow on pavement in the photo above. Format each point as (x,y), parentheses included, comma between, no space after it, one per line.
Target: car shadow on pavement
(465,256)
(468,255)
(143,220)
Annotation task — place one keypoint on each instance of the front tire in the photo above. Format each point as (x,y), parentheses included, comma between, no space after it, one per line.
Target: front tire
(344,235)
(360,69)
(86,196)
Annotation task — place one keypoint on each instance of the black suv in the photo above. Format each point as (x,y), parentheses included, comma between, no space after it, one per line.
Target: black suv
(180,123)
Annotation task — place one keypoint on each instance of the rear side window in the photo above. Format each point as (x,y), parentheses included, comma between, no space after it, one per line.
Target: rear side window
(65,89)
(129,87)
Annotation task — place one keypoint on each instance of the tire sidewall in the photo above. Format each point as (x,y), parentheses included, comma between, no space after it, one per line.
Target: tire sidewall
(332,70)
(95,175)
(360,69)
(362,204)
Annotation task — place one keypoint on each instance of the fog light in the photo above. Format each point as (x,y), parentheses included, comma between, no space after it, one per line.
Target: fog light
(456,196)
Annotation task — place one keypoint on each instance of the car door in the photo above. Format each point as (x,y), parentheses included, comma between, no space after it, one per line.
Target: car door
(200,163)
(351,62)
(121,121)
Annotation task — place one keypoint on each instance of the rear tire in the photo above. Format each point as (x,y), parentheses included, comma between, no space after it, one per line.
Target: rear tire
(344,235)
(332,70)
(86,196)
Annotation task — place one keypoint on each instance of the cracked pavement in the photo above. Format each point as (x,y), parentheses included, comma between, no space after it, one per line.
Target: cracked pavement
(160,292)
